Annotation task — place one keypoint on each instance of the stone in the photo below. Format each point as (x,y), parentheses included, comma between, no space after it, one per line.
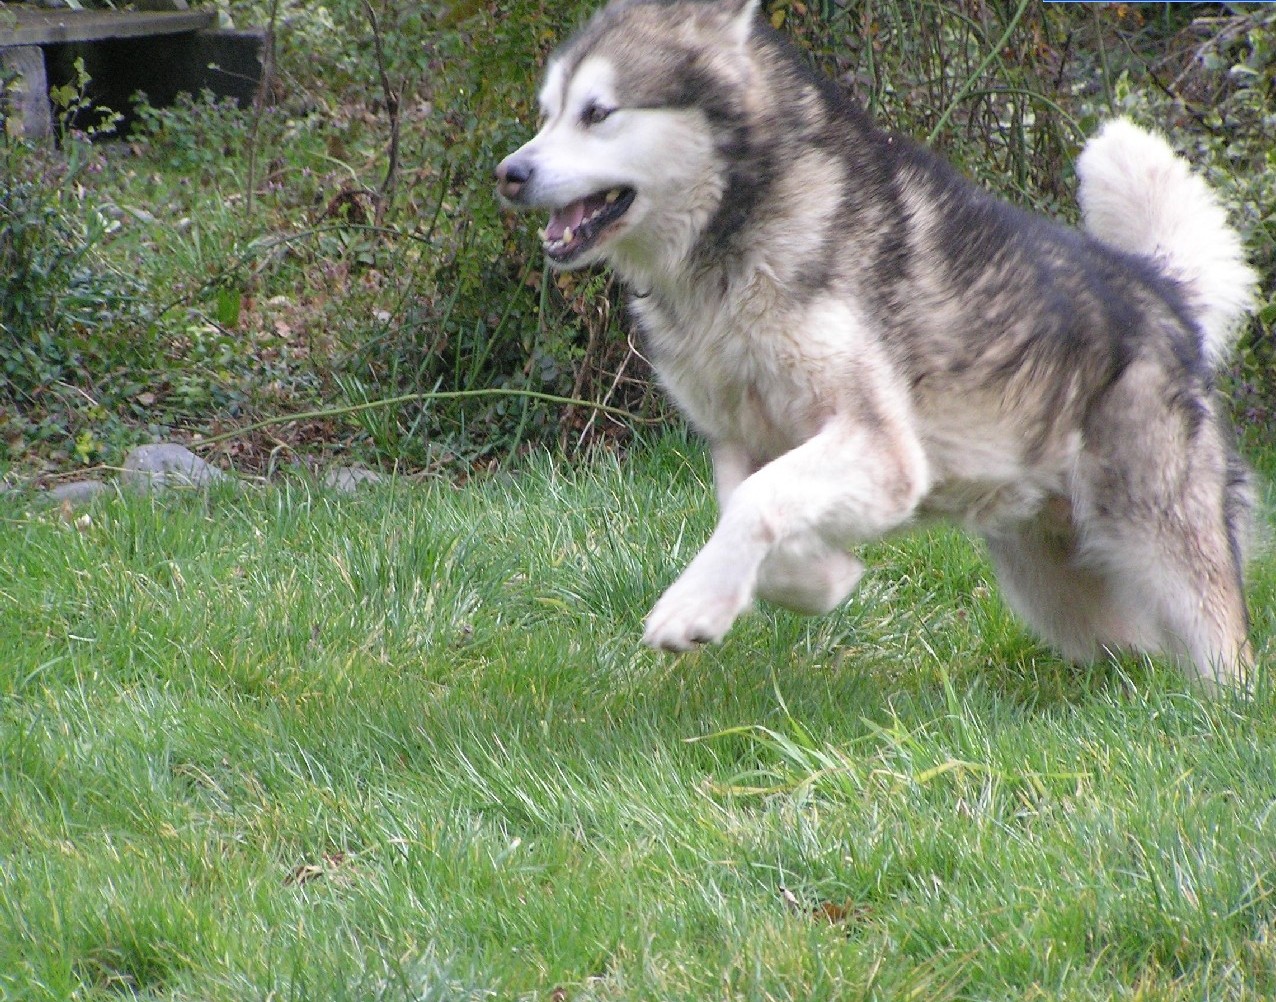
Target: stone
(347,479)
(166,464)
(77,492)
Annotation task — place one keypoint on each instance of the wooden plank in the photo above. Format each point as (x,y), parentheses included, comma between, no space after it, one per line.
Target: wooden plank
(24,25)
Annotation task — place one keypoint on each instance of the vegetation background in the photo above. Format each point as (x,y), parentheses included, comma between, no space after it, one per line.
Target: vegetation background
(338,244)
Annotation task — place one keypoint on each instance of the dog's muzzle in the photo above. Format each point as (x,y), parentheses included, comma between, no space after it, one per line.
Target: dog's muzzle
(575,226)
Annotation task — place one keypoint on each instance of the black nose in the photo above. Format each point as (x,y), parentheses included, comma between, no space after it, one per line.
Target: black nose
(511,174)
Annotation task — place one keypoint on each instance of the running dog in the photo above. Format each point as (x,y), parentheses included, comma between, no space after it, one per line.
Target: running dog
(867,339)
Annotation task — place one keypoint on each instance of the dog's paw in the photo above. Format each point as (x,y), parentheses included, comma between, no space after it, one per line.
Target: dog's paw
(686,617)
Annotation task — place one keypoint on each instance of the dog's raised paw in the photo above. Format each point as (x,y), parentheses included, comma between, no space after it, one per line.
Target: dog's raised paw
(678,637)
(681,623)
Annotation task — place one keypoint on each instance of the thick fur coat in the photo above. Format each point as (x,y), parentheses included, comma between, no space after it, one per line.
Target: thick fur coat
(867,339)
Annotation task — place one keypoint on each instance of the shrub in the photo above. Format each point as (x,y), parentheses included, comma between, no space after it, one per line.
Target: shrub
(65,315)
(342,243)
(486,313)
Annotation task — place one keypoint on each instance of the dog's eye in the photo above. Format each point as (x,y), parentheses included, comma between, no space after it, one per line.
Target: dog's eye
(594,113)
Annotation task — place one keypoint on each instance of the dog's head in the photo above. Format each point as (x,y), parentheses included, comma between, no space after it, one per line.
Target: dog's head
(636,111)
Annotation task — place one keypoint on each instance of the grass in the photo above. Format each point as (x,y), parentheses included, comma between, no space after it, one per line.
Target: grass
(404,745)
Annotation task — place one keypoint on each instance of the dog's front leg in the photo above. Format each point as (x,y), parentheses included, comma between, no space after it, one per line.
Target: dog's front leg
(847,484)
(732,466)
(803,574)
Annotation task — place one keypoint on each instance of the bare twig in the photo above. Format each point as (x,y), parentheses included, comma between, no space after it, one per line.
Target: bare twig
(593,414)
(386,191)
(495,391)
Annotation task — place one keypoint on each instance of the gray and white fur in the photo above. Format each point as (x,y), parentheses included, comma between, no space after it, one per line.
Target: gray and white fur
(867,339)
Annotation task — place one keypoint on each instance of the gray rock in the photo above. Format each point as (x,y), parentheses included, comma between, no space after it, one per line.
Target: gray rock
(166,464)
(76,492)
(348,478)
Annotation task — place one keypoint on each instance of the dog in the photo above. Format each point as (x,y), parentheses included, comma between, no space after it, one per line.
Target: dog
(868,340)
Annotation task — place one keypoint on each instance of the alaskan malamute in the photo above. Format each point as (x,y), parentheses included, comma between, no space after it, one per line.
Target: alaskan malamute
(867,339)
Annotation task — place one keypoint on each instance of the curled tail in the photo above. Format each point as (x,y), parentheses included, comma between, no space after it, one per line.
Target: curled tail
(1138,196)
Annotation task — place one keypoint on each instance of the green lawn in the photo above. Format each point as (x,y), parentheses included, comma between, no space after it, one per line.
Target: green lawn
(405,745)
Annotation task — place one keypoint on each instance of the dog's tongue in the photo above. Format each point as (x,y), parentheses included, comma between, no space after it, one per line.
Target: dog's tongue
(569,215)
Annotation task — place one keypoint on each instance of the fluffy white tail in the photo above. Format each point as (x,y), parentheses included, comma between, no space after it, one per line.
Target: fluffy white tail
(1138,196)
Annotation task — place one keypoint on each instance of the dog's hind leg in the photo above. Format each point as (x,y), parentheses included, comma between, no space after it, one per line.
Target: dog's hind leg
(1185,544)
(1080,611)
(1186,581)
(1174,548)
(1228,656)
(1207,622)
(1191,575)
(1174,590)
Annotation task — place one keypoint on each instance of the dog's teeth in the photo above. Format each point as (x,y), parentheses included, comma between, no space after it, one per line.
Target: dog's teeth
(567,235)
(543,234)
(613,195)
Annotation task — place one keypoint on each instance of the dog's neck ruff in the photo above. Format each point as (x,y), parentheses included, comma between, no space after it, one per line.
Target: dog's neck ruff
(677,280)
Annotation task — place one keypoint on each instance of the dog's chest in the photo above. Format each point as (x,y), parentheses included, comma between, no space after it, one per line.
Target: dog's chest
(736,380)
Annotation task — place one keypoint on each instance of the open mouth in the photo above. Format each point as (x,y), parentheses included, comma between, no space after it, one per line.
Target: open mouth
(577,226)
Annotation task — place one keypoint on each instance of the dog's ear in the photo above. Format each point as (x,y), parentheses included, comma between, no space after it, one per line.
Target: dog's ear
(742,14)
(739,15)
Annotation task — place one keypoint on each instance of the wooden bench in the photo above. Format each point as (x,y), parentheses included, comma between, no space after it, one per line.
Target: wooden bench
(158,52)
(21,24)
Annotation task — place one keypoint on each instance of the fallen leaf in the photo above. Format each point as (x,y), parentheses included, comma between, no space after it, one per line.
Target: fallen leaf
(826,911)
(306,872)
